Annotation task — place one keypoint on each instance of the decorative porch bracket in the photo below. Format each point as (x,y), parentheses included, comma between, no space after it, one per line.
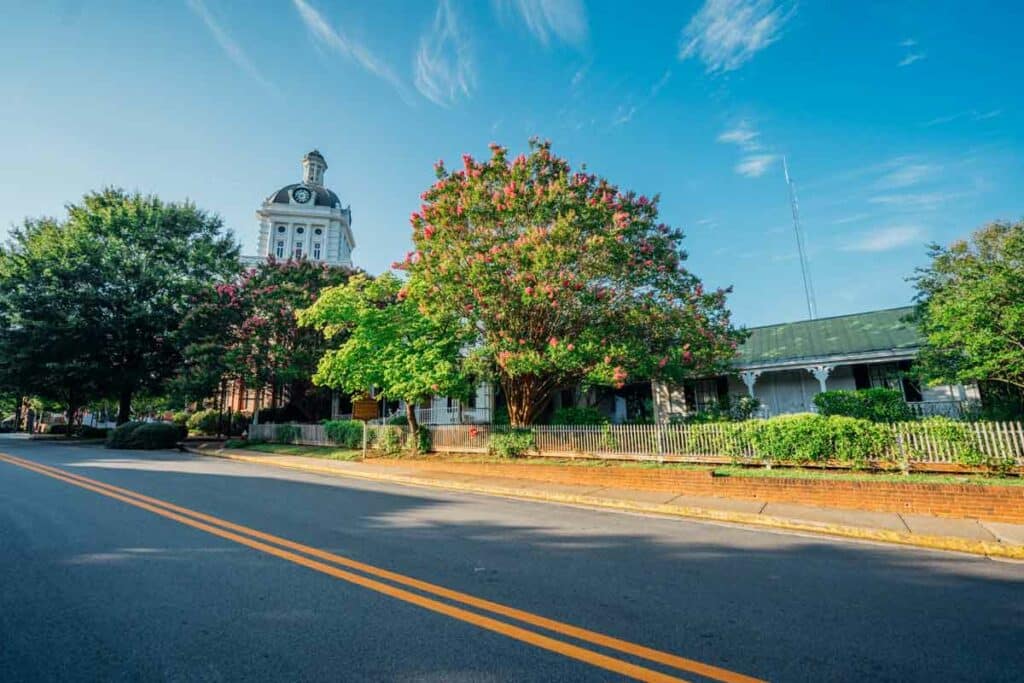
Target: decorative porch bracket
(821,373)
(749,378)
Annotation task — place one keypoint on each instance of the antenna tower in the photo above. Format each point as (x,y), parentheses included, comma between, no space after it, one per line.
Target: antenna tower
(805,269)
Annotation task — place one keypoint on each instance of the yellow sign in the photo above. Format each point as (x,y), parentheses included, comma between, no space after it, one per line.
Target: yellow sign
(364,409)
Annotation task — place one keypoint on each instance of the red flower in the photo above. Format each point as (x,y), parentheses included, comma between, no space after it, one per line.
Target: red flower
(473,432)
(553,342)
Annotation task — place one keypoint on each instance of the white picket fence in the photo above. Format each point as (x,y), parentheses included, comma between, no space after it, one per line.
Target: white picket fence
(914,442)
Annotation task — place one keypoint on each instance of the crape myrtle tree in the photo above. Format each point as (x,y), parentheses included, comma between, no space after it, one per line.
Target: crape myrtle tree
(247,330)
(561,278)
(389,345)
(971,311)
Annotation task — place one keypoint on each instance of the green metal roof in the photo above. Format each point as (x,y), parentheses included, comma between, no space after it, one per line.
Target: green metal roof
(844,335)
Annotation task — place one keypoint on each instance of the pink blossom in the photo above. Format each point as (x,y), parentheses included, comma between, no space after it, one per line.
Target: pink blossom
(529,291)
(428,232)
(402,294)
(522,341)
(553,342)
(571,346)
(663,362)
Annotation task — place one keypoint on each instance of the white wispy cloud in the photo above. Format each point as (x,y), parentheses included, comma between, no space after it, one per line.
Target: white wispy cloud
(724,34)
(335,40)
(742,135)
(909,42)
(917,201)
(564,20)
(443,65)
(887,239)
(624,114)
(661,82)
(228,44)
(905,174)
(756,165)
(578,76)
(972,114)
(911,58)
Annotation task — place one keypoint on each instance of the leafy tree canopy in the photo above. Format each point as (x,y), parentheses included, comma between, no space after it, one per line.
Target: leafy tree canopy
(561,278)
(971,308)
(92,306)
(246,329)
(390,344)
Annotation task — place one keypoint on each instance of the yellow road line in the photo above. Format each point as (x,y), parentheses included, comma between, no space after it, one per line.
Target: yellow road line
(190,517)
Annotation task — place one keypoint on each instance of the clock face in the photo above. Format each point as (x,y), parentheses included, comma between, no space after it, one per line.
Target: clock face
(301,195)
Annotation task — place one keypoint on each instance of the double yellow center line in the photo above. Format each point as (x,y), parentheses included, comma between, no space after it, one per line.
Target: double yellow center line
(317,560)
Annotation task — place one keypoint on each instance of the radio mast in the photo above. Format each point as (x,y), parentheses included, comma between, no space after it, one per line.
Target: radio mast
(805,269)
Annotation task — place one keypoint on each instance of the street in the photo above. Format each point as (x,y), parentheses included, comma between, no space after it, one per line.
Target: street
(236,571)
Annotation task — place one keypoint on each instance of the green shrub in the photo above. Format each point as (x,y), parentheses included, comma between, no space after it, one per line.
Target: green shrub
(727,409)
(512,444)
(286,433)
(120,436)
(347,433)
(146,435)
(856,441)
(89,432)
(208,422)
(205,422)
(419,442)
(388,439)
(180,418)
(578,416)
(947,435)
(399,420)
(877,405)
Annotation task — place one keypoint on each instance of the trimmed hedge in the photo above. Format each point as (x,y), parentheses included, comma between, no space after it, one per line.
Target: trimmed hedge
(579,416)
(146,435)
(347,433)
(877,405)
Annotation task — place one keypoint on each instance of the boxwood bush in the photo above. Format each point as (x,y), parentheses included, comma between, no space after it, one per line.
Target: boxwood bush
(146,435)
(877,405)
(579,416)
(208,422)
(347,433)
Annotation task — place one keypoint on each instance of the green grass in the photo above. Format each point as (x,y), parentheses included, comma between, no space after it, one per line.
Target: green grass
(327,452)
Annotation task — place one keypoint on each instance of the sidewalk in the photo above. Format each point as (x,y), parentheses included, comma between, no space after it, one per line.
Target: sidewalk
(992,539)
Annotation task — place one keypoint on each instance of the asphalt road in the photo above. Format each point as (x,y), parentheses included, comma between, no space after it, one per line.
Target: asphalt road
(95,587)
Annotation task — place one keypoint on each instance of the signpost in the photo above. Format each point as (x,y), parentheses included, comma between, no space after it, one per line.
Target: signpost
(364,409)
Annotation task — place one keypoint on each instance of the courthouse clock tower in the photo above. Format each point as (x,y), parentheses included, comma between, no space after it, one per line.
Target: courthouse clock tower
(306,220)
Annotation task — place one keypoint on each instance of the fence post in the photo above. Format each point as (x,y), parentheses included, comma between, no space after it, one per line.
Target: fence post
(904,460)
(365,429)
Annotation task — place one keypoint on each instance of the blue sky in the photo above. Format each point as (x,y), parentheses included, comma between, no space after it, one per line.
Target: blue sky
(902,122)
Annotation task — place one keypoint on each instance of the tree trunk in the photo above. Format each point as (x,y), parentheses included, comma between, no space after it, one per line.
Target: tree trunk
(69,419)
(18,413)
(526,398)
(414,426)
(124,406)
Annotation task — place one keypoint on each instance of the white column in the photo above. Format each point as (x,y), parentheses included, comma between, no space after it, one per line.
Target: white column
(821,373)
(749,378)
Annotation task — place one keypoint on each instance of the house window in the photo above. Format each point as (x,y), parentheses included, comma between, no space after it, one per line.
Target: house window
(299,230)
(280,228)
(298,250)
(318,231)
(280,249)
(316,250)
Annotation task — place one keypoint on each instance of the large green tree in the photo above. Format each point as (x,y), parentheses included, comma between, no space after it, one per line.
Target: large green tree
(91,306)
(971,309)
(247,330)
(389,345)
(561,278)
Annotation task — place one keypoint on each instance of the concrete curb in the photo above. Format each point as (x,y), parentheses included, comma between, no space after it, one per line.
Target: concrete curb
(947,543)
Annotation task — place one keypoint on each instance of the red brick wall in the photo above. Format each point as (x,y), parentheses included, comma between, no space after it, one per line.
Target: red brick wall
(996,503)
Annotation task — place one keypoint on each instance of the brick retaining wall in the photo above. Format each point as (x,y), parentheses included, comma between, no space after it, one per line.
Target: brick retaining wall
(995,503)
